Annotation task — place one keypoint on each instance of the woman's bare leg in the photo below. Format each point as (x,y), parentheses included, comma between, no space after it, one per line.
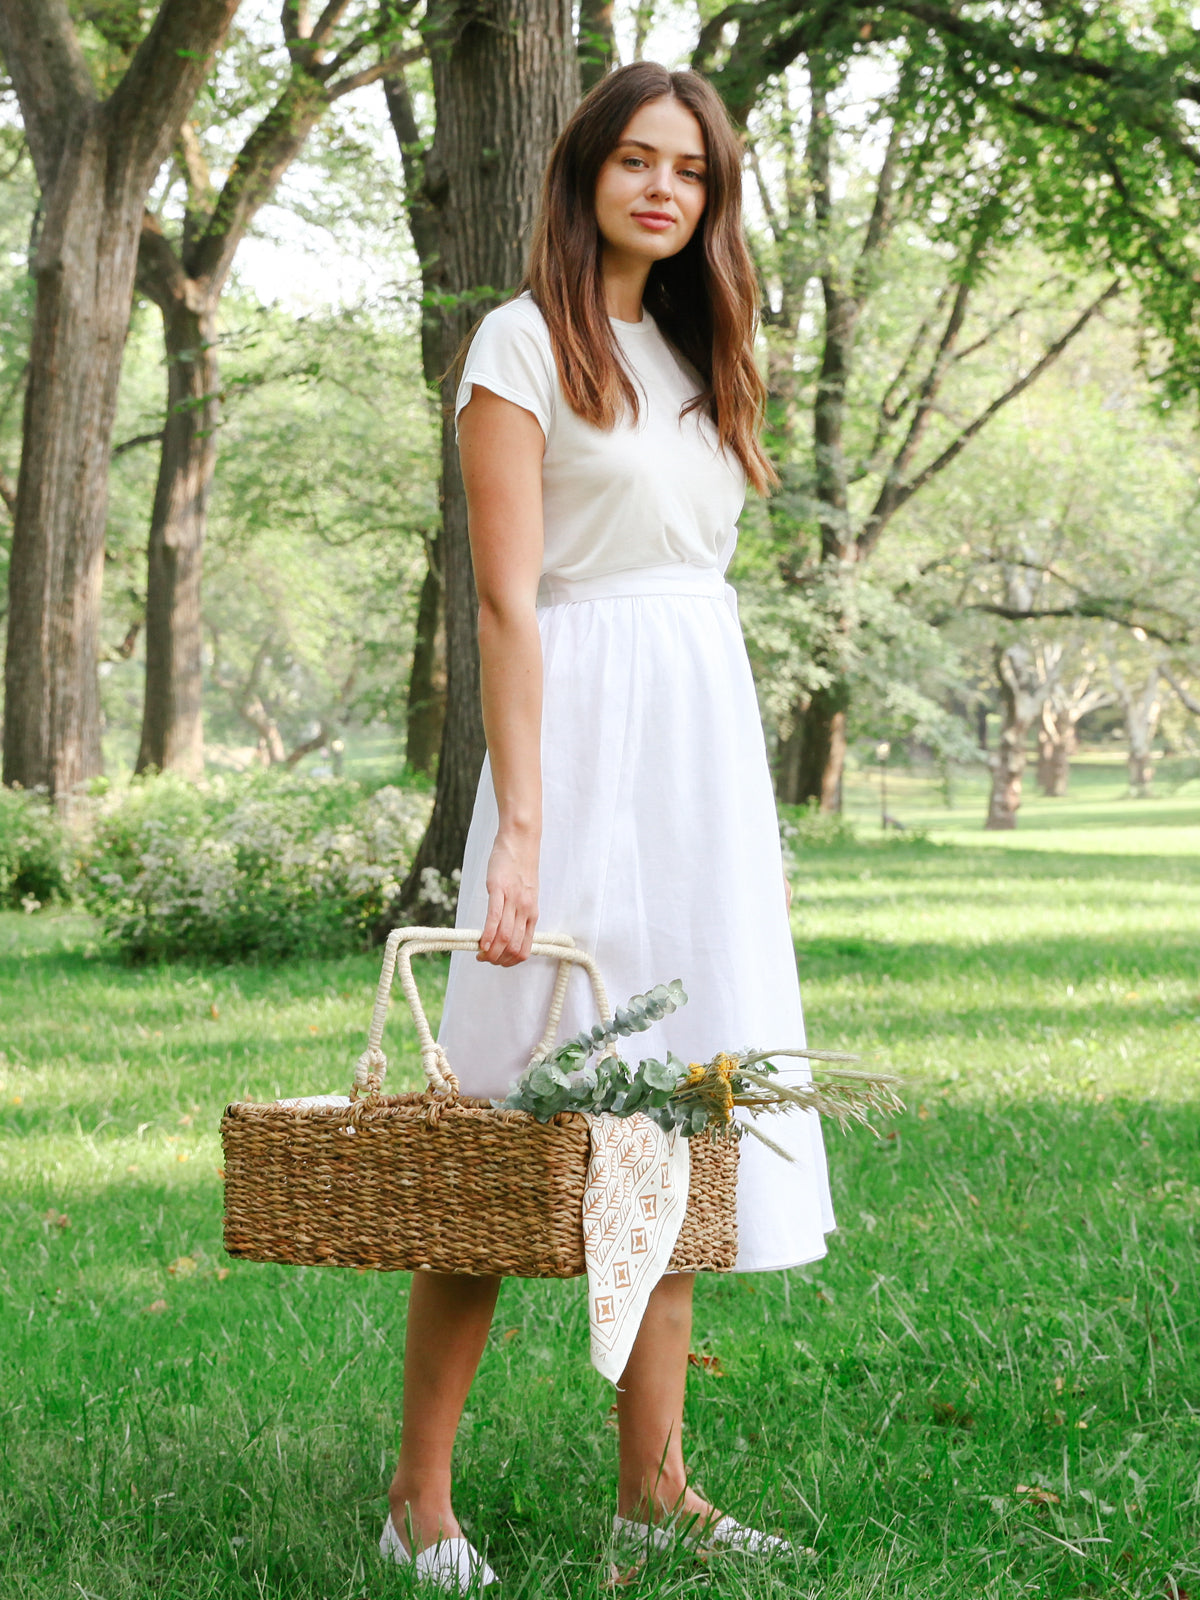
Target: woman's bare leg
(448,1322)
(653,1479)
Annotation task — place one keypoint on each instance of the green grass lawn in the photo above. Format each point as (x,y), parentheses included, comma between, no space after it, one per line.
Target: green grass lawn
(990,1386)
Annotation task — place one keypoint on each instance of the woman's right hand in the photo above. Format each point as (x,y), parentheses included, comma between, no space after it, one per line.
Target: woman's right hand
(512,885)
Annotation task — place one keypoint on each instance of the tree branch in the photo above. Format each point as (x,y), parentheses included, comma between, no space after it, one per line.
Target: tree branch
(160,273)
(880,224)
(1000,47)
(295,22)
(147,108)
(50,75)
(138,439)
(392,63)
(333,13)
(1187,699)
(1091,608)
(900,493)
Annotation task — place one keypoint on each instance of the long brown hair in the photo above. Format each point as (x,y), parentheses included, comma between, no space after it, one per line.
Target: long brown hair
(704,298)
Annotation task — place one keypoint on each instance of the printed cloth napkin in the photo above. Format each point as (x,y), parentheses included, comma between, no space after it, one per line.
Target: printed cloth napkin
(633,1208)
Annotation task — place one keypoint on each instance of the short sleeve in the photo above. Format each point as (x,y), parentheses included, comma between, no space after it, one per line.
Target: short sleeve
(512,356)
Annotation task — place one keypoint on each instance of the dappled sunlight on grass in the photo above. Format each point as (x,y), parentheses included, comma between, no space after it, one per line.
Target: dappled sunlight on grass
(1096,816)
(986,1387)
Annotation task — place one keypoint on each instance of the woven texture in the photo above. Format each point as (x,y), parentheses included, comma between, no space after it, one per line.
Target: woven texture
(481,1191)
(439,1181)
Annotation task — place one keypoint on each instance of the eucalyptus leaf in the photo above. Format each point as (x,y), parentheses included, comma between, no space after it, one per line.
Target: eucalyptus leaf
(658,1075)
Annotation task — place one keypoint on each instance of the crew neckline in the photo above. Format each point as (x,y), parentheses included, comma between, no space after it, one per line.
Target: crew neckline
(634,327)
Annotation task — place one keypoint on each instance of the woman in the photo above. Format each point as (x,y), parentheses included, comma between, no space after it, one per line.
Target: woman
(607,426)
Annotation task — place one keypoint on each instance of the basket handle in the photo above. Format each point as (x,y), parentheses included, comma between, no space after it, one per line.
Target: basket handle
(404,943)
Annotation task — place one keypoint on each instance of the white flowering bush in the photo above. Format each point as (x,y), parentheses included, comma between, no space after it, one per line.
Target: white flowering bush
(37,862)
(266,865)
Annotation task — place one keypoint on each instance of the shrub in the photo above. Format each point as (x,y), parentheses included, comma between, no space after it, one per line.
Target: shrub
(806,826)
(268,865)
(37,862)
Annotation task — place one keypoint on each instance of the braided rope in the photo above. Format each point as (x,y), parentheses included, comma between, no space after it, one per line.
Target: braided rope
(403,944)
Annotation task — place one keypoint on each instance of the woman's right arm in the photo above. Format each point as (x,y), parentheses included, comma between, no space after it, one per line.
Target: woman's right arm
(500,447)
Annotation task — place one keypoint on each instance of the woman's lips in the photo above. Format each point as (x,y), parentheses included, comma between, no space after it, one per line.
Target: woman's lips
(656,224)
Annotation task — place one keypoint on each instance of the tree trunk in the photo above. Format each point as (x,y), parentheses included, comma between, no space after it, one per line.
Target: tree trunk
(83,272)
(427,679)
(1057,743)
(813,758)
(597,42)
(505,79)
(1021,699)
(95,162)
(1141,724)
(1058,775)
(1047,741)
(172,726)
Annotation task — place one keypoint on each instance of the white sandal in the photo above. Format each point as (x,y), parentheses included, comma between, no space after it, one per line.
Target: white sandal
(453,1564)
(724,1534)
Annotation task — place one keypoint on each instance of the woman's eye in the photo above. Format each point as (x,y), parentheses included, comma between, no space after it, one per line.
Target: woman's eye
(690,172)
(634,160)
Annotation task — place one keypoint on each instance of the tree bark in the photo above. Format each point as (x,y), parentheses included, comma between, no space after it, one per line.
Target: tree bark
(427,673)
(427,679)
(1057,743)
(1021,699)
(597,41)
(505,79)
(95,162)
(186,279)
(172,728)
(1142,709)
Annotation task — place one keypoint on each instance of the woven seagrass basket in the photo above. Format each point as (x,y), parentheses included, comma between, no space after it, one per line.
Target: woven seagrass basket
(440,1181)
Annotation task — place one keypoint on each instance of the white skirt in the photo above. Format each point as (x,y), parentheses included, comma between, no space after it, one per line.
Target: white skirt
(660,854)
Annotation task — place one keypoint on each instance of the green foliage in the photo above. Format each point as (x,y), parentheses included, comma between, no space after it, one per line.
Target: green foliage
(807,827)
(565,1081)
(266,866)
(37,863)
(640,1013)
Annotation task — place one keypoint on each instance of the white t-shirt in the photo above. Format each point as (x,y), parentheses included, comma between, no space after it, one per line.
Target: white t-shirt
(644,494)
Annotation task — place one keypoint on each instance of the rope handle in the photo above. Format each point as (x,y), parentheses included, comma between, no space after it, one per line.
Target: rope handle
(404,943)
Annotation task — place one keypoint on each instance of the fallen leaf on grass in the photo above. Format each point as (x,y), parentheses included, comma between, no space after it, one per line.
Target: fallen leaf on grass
(220,1172)
(947,1415)
(182,1156)
(221,1274)
(1035,1495)
(57,1219)
(510,1333)
(312,1028)
(156,1306)
(182,1266)
(706,1363)
(214,1011)
(185,1120)
(618,1579)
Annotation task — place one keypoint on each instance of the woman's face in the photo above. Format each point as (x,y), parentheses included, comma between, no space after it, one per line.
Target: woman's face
(651,190)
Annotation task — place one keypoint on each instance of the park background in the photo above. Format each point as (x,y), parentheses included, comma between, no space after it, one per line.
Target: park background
(246,745)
